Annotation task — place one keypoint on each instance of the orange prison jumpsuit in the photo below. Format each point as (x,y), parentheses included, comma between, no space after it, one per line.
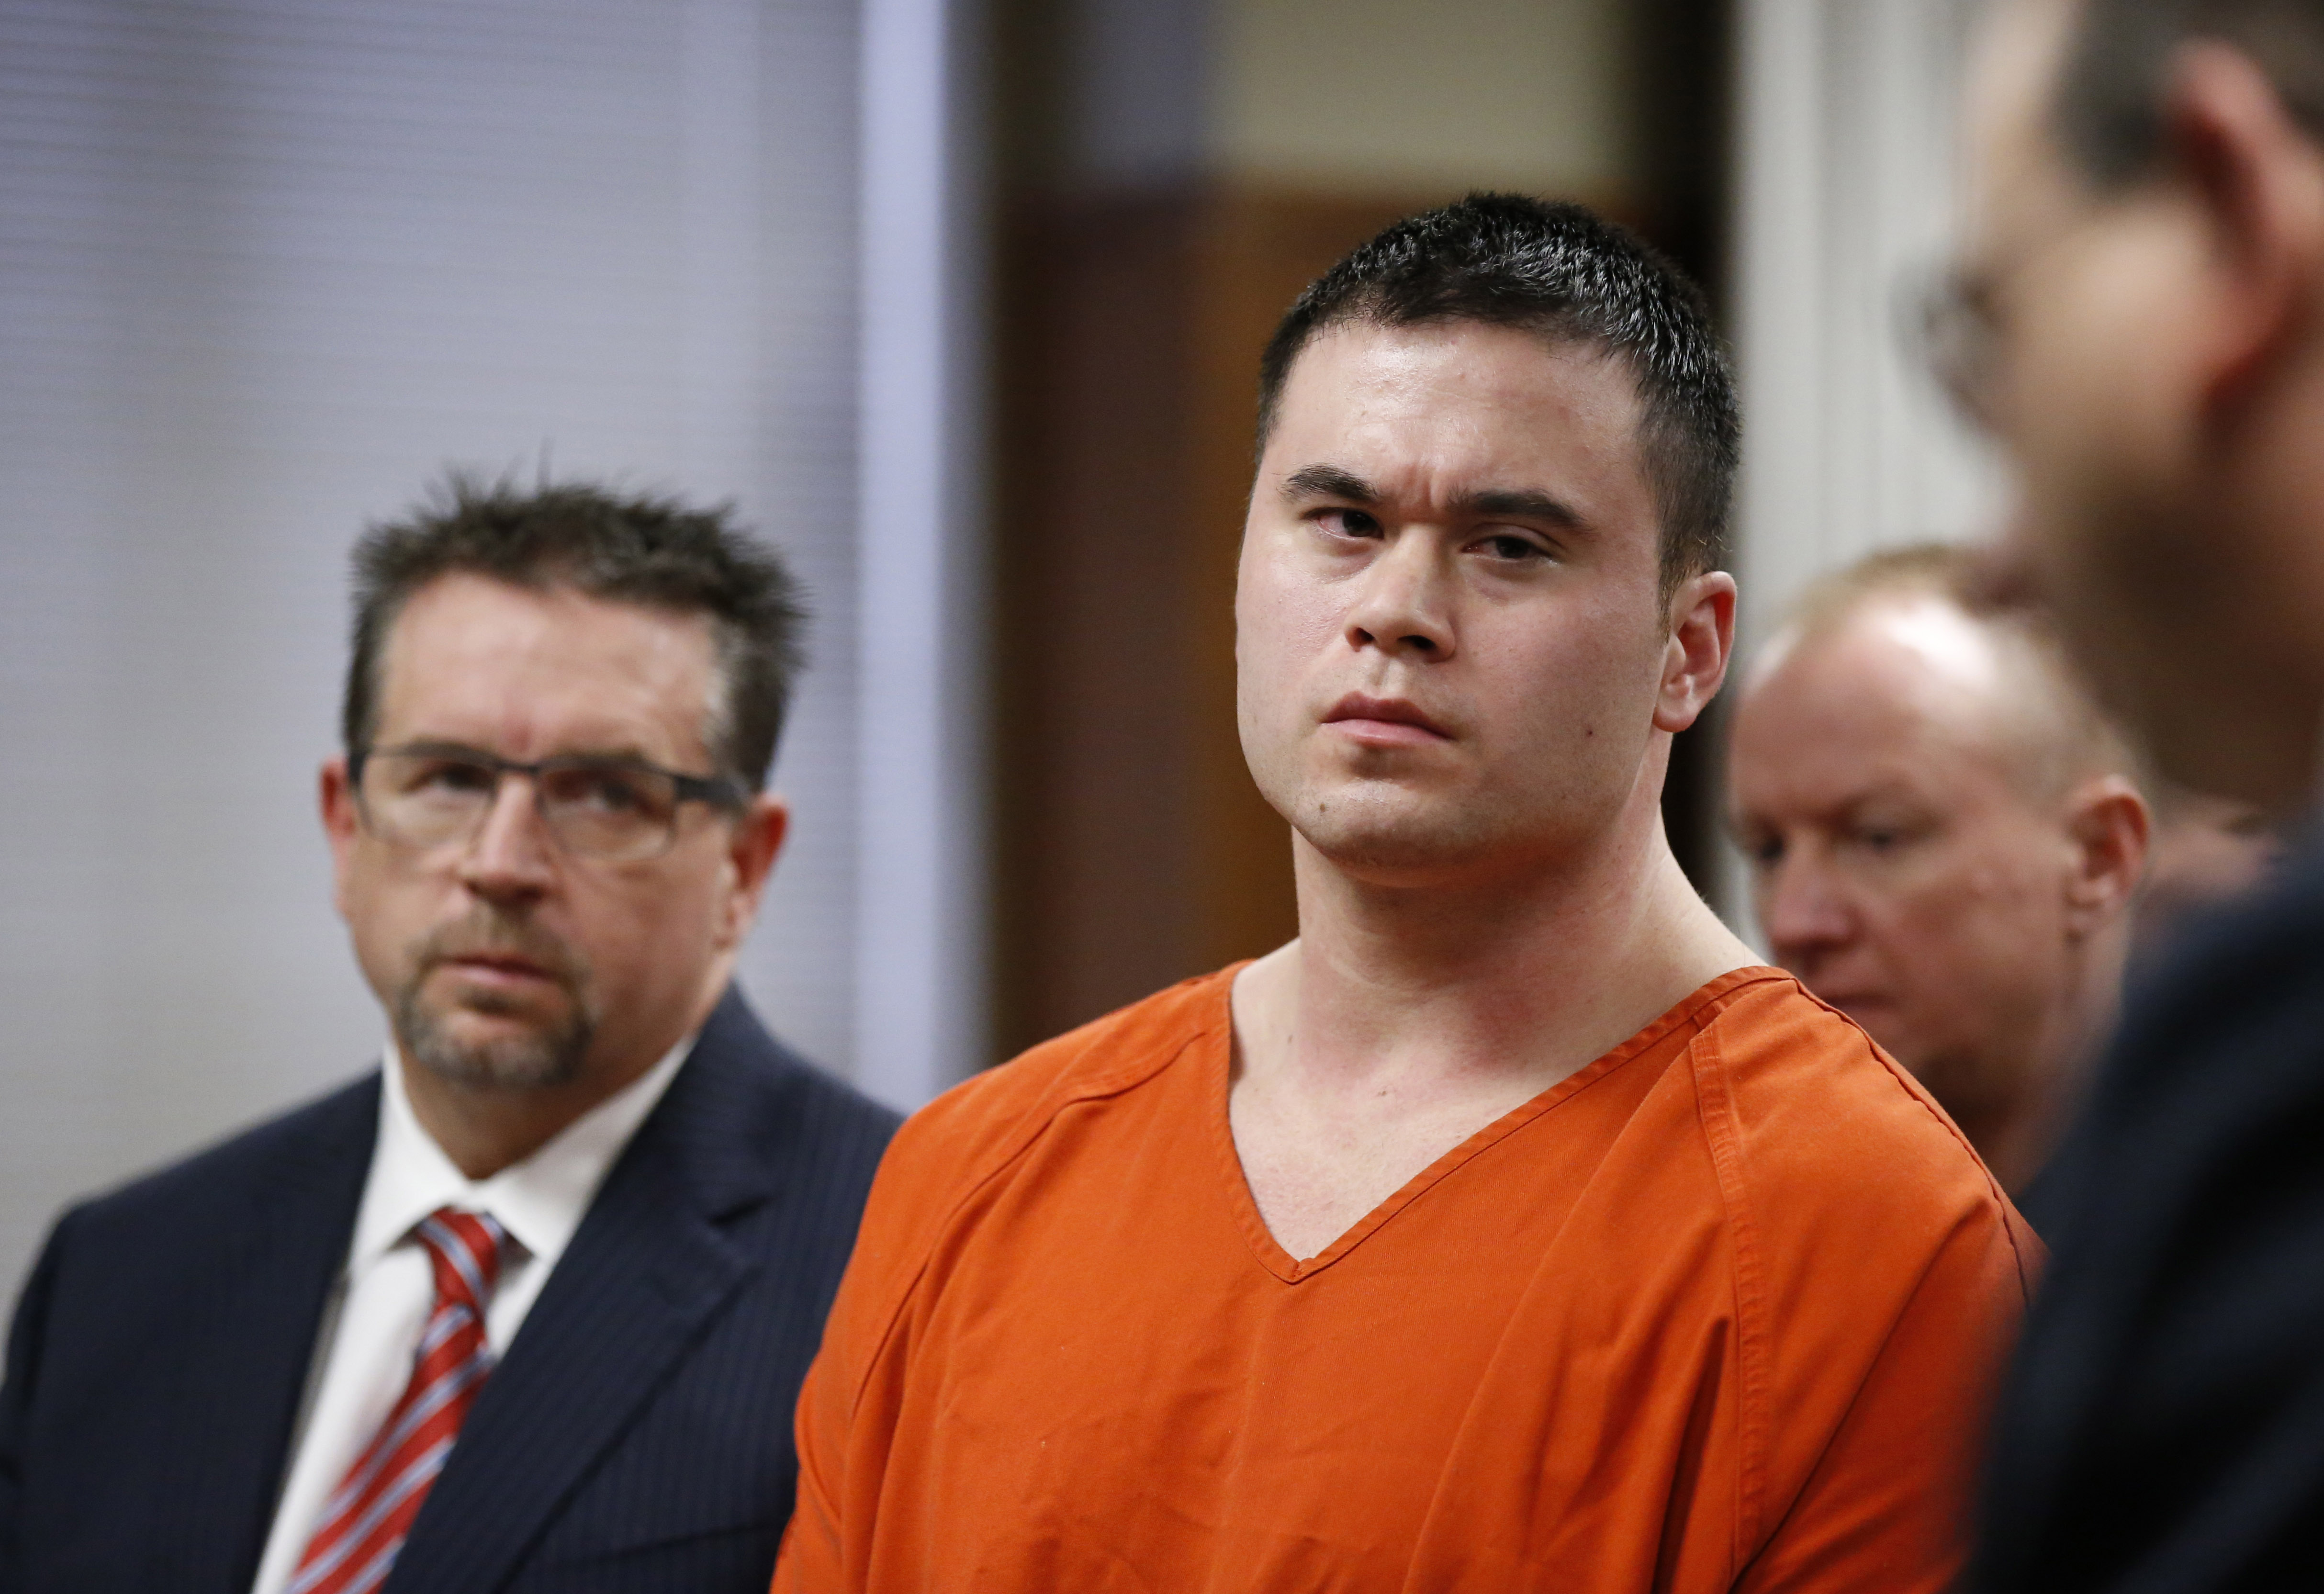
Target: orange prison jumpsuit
(1718,1312)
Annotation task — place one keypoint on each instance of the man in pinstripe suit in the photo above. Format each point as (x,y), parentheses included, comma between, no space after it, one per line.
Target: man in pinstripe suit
(527,1308)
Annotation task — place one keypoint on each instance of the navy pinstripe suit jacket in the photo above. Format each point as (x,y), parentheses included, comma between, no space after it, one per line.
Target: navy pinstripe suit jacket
(637,1436)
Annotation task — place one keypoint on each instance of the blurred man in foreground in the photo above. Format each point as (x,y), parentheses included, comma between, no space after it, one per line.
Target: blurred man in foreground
(2139,315)
(527,1307)
(1945,839)
(1508,1228)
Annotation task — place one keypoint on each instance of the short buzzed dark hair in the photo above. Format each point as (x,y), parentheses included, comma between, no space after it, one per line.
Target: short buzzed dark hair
(654,551)
(1505,259)
(2109,101)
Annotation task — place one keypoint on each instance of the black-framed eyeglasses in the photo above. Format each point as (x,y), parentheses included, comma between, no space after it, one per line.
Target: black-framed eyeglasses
(1957,323)
(1955,331)
(613,810)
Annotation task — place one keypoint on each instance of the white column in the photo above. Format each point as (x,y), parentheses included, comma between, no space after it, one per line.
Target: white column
(920,909)
(1846,198)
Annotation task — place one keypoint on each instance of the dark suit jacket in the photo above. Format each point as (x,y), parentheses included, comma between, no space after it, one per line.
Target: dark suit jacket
(2163,1430)
(637,1436)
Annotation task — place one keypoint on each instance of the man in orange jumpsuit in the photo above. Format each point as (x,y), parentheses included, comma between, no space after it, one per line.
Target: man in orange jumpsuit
(1510,1228)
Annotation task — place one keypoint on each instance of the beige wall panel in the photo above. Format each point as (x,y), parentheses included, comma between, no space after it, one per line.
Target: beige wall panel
(1370,95)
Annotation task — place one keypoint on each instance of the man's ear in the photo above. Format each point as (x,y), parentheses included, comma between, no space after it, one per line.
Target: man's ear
(2108,826)
(336,797)
(2258,179)
(756,842)
(1701,641)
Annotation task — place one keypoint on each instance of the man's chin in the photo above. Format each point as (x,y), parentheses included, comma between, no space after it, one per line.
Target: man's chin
(495,1046)
(1392,844)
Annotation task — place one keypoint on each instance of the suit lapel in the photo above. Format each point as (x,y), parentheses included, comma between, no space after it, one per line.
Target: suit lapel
(646,1273)
(247,1346)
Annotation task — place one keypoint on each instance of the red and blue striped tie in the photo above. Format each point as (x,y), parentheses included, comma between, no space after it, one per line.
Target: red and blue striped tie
(364,1521)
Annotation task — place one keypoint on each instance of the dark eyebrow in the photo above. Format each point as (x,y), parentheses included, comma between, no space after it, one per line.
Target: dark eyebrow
(628,756)
(1519,504)
(1515,503)
(1328,481)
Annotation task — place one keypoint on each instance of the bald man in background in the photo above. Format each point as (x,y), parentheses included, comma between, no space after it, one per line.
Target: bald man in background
(1945,839)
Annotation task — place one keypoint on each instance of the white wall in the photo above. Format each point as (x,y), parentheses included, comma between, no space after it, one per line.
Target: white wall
(1846,197)
(265,266)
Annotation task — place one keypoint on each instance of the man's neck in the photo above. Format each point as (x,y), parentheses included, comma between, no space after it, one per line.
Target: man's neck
(1406,1018)
(2017,1146)
(1524,976)
(483,1128)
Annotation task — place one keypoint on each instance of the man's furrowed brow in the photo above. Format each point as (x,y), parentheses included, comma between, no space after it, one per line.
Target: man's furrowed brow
(1328,481)
(1513,504)
(1518,503)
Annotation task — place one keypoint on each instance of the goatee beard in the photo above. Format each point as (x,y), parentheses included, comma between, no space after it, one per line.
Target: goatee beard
(514,1063)
(524,1062)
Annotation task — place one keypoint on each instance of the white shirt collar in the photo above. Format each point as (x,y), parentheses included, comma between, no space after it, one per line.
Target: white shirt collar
(539,1201)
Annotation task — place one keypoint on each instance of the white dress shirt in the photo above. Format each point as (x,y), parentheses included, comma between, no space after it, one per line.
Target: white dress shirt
(370,1333)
